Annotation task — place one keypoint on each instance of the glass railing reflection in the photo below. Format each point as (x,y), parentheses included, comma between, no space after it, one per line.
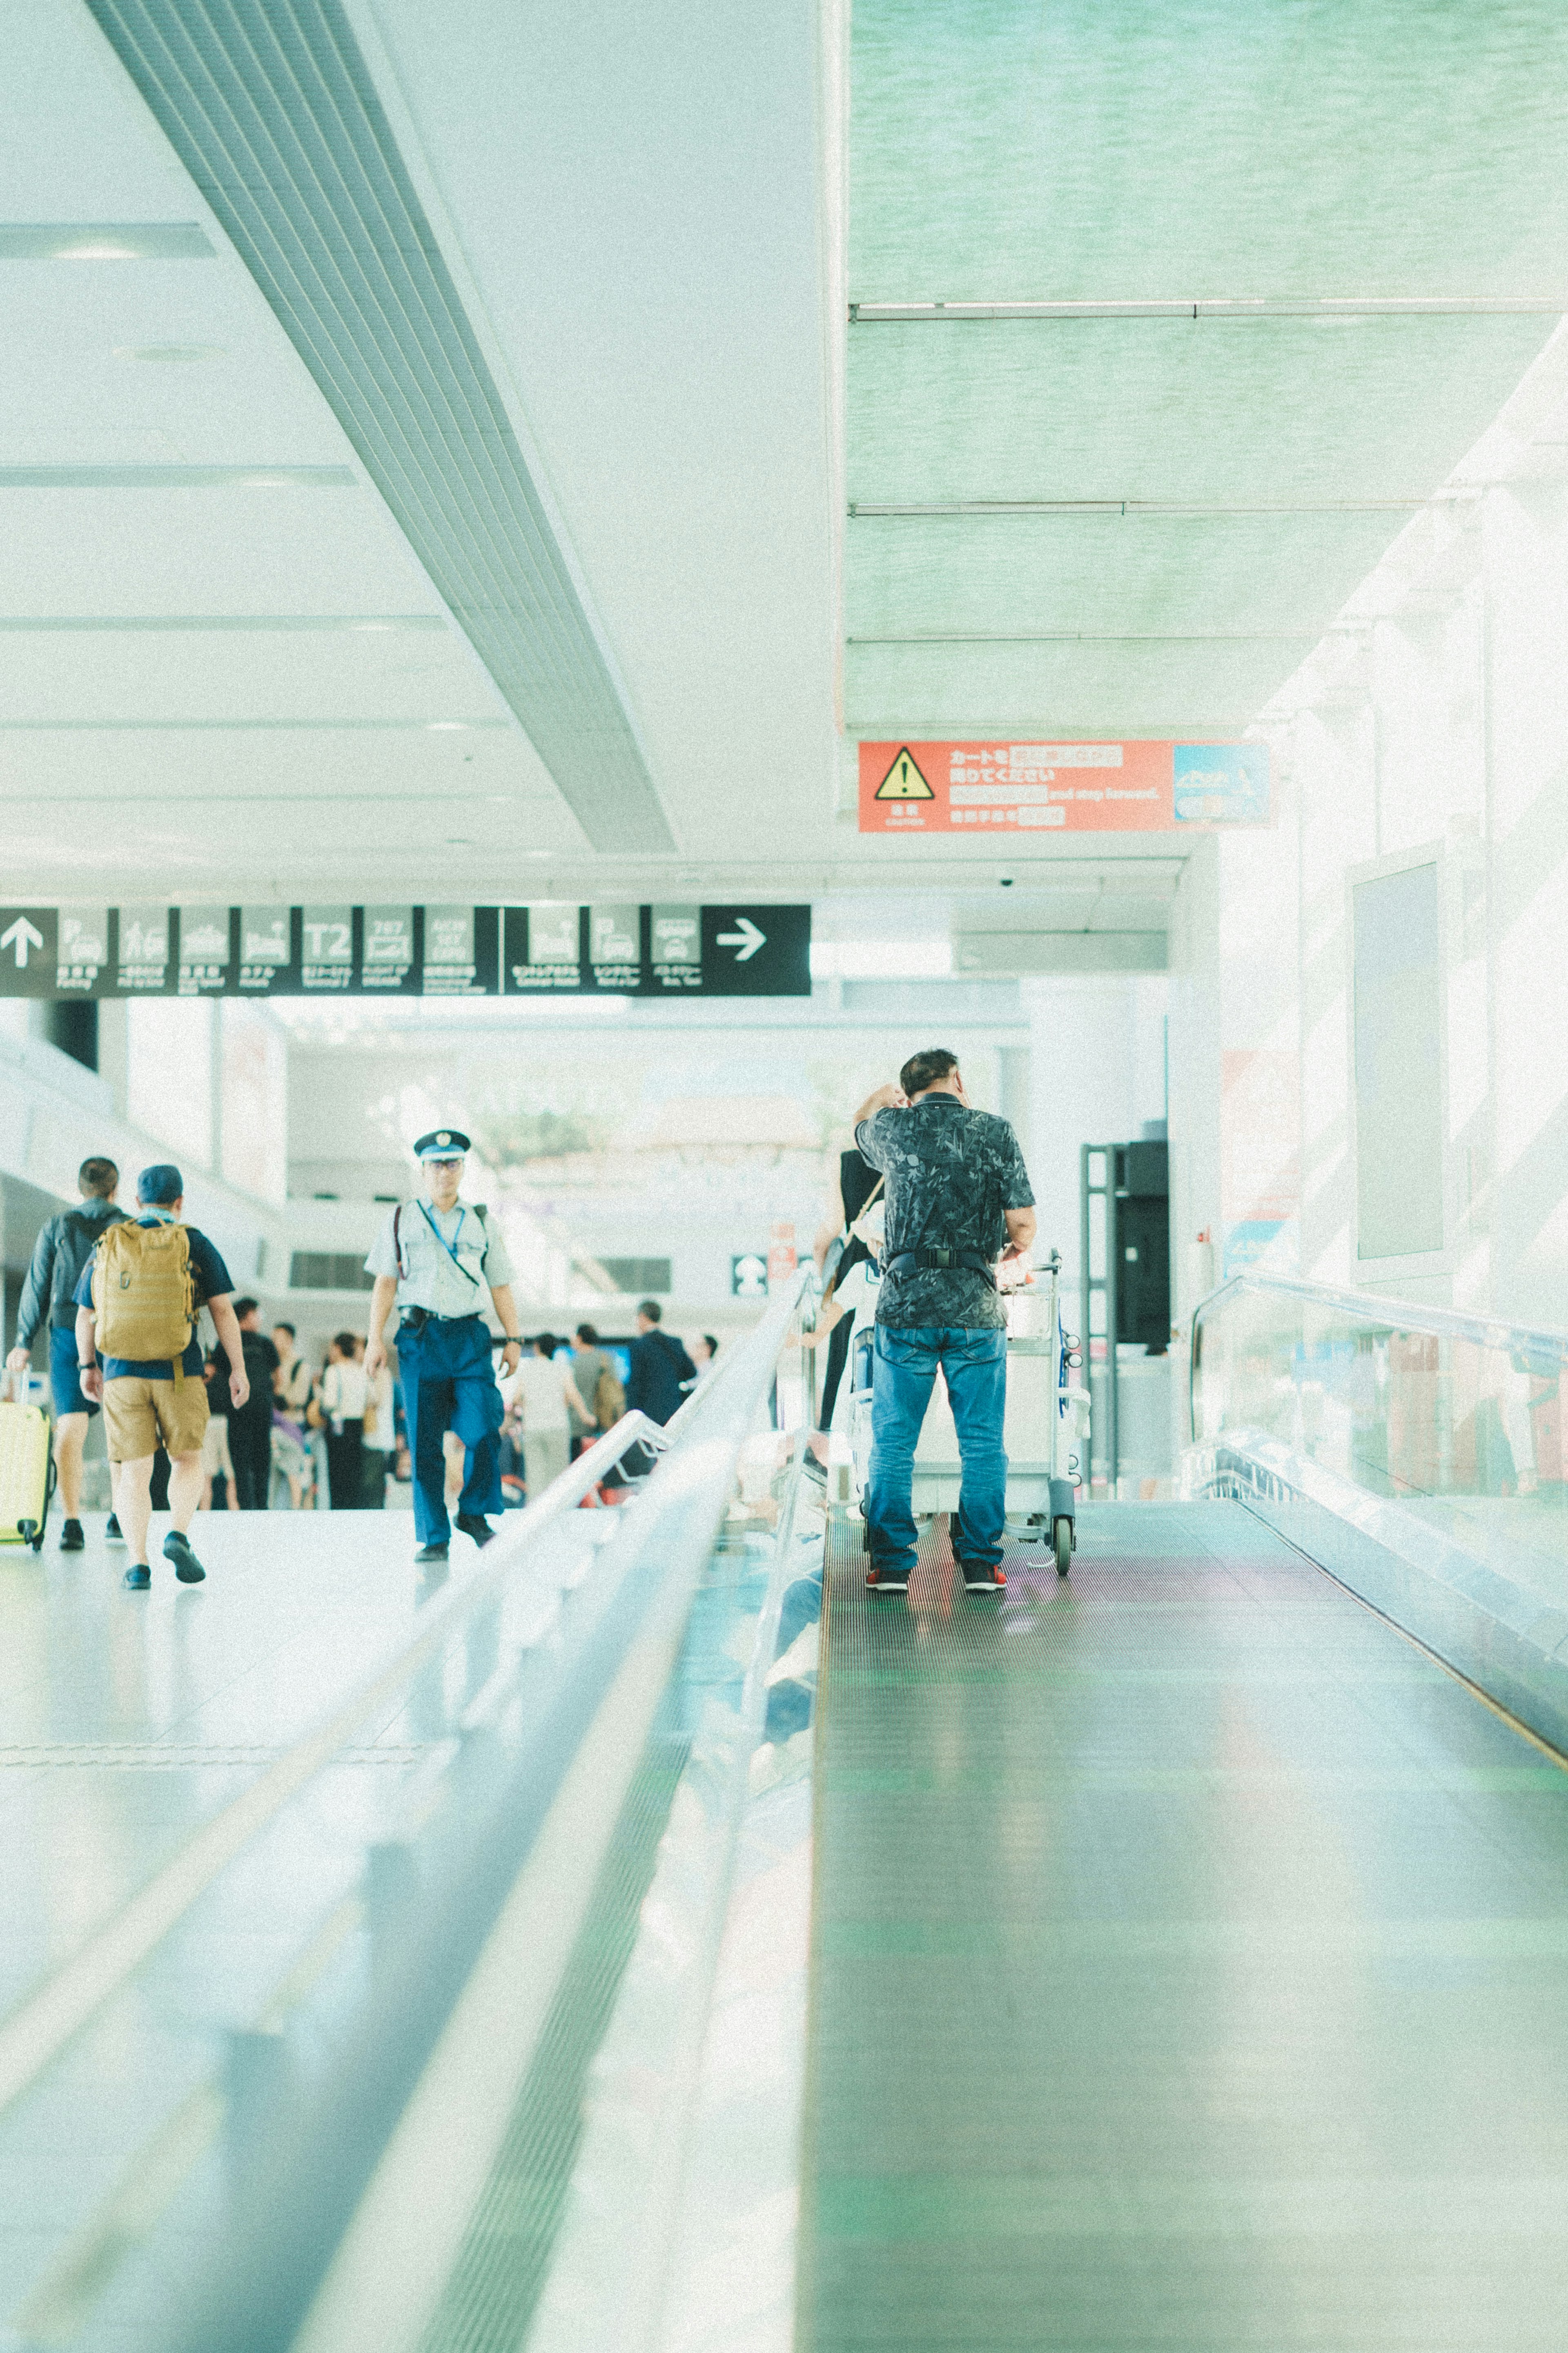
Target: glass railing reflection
(1458,1419)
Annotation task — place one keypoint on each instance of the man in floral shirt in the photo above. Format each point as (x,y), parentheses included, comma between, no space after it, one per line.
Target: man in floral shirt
(958,1199)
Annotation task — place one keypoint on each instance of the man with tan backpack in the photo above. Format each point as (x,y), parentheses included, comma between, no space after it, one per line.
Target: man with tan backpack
(136,1345)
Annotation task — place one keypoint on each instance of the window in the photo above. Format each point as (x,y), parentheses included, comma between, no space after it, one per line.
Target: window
(1398,1034)
(647,1276)
(329,1270)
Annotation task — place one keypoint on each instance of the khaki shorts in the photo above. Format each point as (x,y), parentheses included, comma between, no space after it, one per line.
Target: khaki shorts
(137,1413)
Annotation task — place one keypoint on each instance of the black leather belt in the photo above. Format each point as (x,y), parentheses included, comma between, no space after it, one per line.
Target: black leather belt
(910,1261)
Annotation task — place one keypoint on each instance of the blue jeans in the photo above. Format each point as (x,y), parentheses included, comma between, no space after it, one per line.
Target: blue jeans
(974,1365)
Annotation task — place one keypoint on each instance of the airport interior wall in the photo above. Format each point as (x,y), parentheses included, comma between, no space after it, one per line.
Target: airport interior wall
(1426,732)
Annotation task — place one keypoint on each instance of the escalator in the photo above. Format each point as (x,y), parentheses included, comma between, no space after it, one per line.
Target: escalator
(1171,1955)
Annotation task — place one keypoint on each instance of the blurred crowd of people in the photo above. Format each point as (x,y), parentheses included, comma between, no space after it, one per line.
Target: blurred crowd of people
(310,1437)
(329,1437)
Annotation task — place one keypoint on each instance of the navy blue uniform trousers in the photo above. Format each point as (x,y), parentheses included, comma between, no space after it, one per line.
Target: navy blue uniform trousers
(450,1383)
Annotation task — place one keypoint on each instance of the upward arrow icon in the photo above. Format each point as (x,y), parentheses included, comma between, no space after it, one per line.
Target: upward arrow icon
(21,937)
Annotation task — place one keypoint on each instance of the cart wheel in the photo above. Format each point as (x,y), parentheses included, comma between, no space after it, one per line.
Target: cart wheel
(1062,1536)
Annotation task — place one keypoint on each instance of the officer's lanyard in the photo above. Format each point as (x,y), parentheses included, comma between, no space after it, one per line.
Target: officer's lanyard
(451,1247)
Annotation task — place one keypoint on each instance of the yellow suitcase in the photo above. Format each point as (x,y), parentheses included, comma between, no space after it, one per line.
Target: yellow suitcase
(26,1474)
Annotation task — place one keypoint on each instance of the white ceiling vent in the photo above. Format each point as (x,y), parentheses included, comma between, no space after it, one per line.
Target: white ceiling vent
(271,110)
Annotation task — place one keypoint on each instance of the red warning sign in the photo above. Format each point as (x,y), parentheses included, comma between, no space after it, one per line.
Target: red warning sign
(1063,787)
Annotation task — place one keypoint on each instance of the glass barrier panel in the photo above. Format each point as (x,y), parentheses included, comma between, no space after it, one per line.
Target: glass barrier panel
(1460,1422)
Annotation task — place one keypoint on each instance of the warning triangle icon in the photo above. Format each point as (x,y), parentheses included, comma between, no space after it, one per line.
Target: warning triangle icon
(904,782)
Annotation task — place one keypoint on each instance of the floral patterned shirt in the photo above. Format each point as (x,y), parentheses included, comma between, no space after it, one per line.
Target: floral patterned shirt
(951,1174)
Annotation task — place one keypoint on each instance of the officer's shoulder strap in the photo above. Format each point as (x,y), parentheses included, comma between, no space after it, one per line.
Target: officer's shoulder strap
(398,1233)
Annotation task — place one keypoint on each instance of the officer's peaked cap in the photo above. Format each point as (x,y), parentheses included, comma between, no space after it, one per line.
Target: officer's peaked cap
(441,1144)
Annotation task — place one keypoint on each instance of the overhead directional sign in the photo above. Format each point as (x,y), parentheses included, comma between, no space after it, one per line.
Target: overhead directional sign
(1088,787)
(542,949)
(28,951)
(756,951)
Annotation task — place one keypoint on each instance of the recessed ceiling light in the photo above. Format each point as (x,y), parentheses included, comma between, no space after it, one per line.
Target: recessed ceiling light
(104,241)
(171,352)
(446,726)
(372,625)
(459,841)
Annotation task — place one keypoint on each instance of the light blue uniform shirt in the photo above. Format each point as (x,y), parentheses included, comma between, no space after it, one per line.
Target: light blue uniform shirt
(442,1259)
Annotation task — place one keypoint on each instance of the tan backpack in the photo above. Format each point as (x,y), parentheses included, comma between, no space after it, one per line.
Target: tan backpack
(143,1295)
(609,1399)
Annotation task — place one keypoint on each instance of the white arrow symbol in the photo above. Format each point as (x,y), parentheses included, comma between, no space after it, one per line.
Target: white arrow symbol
(746,937)
(22,934)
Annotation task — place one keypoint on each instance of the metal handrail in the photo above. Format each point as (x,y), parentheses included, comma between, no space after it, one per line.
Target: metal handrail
(596,1693)
(44,2022)
(644,1572)
(1396,1314)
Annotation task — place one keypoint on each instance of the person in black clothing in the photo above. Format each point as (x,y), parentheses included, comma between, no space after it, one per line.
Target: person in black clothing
(661,1371)
(858,1180)
(250,1430)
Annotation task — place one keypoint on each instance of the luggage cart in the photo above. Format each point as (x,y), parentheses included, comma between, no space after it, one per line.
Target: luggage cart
(1046,1432)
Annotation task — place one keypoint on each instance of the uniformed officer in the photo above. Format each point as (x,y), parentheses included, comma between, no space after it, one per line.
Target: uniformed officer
(435,1257)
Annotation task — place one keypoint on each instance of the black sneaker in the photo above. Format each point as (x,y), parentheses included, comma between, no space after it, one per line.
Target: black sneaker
(188,1567)
(982,1577)
(431,1552)
(470,1524)
(138,1578)
(111,1531)
(883,1576)
(71,1537)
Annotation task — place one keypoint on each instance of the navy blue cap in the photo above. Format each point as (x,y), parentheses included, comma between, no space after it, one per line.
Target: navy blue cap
(442,1143)
(160,1185)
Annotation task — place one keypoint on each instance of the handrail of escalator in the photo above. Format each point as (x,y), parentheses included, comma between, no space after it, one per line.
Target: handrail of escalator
(1386,1312)
(45,2021)
(1378,1312)
(641,1587)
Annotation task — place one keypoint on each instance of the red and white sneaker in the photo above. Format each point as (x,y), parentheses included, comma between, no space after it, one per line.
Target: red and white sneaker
(884,1576)
(982,1577)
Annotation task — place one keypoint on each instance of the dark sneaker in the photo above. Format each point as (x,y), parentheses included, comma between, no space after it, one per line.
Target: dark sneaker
(71,1537)
(112,1533)
(885,1577)
(469,1523)
(138,1578)
(982,1577)
(431,1552)
(188,1567)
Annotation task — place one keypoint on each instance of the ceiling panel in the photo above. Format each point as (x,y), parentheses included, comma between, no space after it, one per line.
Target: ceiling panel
(71,389)
(216,551)
(276,118)
(1168,151)
(1201,147)
(168,676)
(1139,575)
(935,692)
(1277,410)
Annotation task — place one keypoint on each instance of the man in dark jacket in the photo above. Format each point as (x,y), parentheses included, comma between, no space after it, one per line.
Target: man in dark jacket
(48,1296)
(661,1371)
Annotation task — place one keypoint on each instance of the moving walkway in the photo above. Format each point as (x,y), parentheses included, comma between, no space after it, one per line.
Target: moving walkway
(1176,1955)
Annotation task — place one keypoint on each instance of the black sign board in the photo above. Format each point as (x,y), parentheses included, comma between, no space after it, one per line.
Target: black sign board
(548,948)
